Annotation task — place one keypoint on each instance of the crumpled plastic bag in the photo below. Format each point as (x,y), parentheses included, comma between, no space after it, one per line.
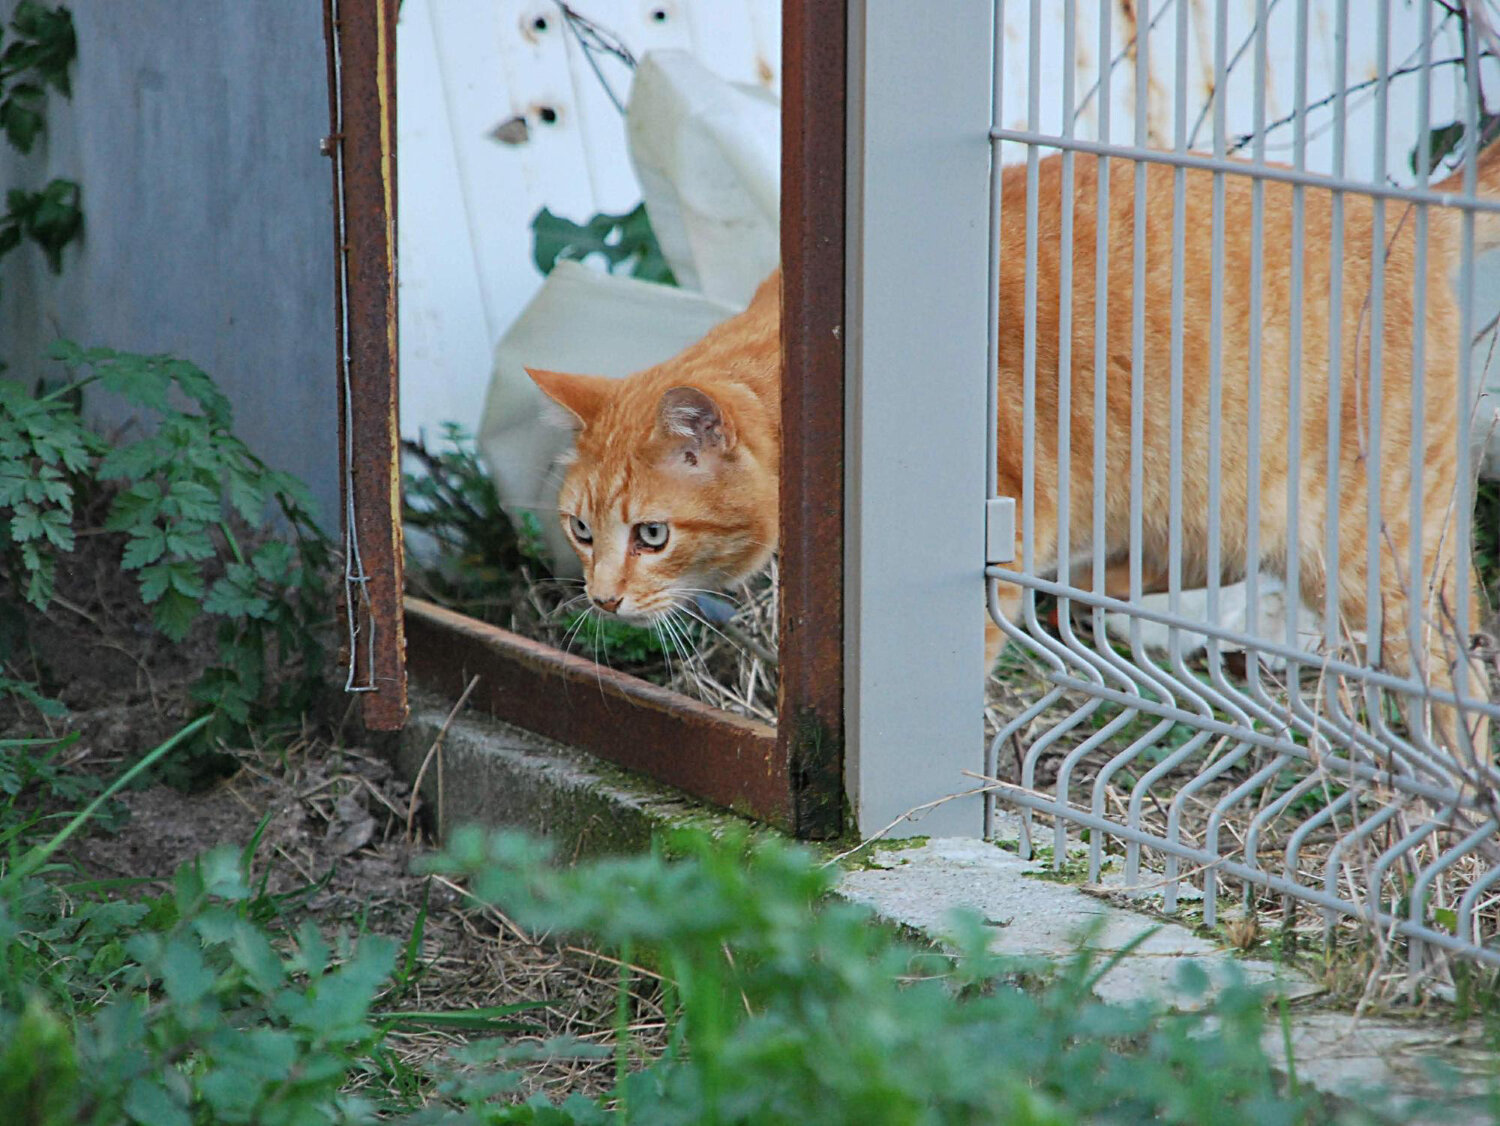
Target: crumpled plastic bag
(708,156)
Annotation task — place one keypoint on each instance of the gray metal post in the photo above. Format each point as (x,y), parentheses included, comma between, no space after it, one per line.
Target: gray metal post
(919,98)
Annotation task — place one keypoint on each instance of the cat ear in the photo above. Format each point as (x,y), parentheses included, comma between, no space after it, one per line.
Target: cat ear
(693,421)
(582,396)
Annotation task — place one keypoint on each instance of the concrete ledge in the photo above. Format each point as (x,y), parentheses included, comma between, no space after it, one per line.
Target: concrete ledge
(493,774)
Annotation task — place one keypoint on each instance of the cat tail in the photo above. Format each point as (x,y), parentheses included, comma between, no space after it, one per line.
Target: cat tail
(1487,184)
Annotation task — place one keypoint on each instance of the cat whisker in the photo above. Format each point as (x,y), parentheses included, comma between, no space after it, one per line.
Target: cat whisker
(684,644)
(725,595)
(562,608)
(686,608)
(666,650)
(734,637)
(576,627)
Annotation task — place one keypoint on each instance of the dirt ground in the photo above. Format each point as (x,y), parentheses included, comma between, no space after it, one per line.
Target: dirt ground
(339,834)
(336,841)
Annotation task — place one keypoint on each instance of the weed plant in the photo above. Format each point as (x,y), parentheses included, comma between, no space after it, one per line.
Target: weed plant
(204,525)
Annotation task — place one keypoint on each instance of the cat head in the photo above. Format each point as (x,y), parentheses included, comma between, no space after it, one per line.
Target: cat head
(671,490)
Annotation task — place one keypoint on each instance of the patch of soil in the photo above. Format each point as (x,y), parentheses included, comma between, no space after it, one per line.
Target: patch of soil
(335,843)
(96,651)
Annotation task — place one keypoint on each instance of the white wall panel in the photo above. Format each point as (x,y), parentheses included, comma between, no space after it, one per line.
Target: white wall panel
(467,199)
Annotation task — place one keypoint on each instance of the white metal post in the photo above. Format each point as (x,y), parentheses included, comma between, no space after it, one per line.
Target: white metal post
(918,127)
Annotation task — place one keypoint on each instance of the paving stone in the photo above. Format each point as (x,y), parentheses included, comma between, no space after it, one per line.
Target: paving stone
(920,887)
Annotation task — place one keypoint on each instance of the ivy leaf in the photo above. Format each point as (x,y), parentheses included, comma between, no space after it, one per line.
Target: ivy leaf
(132,461)
(186,579)
(190,500)
(184,973)
(54,488)
(41,575)
(246,495)
(190,540)
(52,217)
(13,485)
(273,561)
(21,115)
(234,595)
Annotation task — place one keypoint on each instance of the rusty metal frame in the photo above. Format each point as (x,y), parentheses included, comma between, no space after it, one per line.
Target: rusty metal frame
(790,775)
(810,728)
(361,43)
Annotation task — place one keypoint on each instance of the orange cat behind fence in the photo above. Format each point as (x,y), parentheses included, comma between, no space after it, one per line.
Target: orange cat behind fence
(673,488)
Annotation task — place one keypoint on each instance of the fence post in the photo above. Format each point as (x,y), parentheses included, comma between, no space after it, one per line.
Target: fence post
(918,166)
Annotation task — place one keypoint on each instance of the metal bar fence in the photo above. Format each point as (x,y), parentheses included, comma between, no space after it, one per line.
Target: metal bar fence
(1231,390)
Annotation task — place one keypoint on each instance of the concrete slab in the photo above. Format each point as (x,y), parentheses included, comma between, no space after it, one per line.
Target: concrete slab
(921,886)
(1397,1064)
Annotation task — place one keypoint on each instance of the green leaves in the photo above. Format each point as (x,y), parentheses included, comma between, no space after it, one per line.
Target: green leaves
(43,446)
(50,218)
(207,1017)
(40,49)
(626,242)
(1445,140)
(188,490)
(43,46)
(786,1007)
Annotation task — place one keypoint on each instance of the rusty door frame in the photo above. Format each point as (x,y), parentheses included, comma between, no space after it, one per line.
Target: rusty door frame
(790,775)
(360,36)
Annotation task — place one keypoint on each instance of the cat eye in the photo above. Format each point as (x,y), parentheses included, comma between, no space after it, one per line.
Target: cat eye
(652,537)
(580,530)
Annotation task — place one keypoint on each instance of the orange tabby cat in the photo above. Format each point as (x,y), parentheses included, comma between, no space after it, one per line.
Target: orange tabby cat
(674,484)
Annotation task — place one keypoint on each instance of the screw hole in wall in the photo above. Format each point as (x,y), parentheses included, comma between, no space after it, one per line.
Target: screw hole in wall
(548,115)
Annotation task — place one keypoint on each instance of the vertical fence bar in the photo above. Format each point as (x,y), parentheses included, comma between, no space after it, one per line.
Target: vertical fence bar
(1416,953)
(1332,510)
(1295,322)
(1375,408)
(810,722)
(1414,578)
(363,40)
(915,366)
(1257,301)
(1463,499)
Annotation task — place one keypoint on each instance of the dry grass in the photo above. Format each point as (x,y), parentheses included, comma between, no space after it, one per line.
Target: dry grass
(335,841)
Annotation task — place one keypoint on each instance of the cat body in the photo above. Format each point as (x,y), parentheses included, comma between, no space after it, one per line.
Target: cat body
(1283,418)
(674,484)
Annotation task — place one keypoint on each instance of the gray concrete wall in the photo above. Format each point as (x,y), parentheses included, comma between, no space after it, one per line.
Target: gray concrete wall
(194,130)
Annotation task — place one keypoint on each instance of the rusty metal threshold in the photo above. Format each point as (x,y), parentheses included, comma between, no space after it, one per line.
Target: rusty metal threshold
(721,758)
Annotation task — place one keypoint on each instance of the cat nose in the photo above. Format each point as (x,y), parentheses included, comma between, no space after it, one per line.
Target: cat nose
(608,605)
